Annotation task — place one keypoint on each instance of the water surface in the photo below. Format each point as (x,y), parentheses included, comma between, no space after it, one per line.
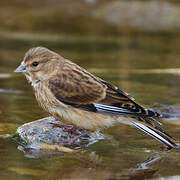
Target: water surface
(146,67)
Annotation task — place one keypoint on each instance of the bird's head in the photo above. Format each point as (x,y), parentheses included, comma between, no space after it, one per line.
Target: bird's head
(39,63)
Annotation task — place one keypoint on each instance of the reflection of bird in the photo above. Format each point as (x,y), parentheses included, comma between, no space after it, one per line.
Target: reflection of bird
(75,96)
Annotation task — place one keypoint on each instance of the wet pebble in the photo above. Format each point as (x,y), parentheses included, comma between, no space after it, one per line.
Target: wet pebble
(48,130)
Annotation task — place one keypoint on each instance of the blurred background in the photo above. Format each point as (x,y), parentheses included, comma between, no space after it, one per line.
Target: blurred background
(133,44)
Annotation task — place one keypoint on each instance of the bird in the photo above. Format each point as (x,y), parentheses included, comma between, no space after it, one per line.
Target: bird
(76,97)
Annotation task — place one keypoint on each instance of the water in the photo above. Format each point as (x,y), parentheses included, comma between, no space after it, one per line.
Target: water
(144,66)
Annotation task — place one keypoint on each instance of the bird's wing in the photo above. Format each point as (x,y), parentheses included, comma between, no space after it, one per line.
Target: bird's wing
(74,85)
(77,87)
(120,99)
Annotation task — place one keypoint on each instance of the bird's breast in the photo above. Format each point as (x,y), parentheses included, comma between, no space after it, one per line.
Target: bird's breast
(45,97)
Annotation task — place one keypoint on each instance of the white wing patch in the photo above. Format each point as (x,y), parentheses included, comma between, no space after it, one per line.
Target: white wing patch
(111,109)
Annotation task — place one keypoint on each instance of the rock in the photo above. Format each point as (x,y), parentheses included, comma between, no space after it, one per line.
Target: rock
(169,113)
(48,137)
(49,130)
(143,15)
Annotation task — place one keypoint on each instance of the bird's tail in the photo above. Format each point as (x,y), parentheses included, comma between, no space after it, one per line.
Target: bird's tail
(157,133)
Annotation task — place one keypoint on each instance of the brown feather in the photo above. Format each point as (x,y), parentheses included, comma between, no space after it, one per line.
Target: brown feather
(75,85)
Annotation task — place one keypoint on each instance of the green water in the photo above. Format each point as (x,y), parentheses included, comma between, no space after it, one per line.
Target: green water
(129,62)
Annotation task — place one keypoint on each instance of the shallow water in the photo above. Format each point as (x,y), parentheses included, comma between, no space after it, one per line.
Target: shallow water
(146,67)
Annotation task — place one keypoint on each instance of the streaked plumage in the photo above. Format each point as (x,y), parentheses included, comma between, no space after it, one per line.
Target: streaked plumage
(75,96)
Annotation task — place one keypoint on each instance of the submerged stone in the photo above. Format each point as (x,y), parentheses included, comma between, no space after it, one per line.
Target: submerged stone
(169,113)
(49,131)
(142,15)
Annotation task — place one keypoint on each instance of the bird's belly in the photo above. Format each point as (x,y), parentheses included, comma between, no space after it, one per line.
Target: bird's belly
(82,119)
(85,119)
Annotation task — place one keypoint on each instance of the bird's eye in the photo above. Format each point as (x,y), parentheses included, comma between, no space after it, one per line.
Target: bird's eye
(35,63)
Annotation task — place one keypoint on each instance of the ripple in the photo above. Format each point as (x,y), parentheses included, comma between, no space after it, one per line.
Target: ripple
(10,91)
(4,76)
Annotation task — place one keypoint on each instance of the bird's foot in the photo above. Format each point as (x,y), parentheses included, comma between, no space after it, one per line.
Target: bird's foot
(71,129)
(74,134)
(73,141)
(84,134)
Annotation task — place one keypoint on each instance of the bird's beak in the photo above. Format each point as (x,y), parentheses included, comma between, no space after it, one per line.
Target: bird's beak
(21,69)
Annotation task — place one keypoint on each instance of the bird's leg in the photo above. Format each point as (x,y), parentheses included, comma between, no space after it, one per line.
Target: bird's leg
(76,132)
(68,128)
(71,129)
(73,140)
